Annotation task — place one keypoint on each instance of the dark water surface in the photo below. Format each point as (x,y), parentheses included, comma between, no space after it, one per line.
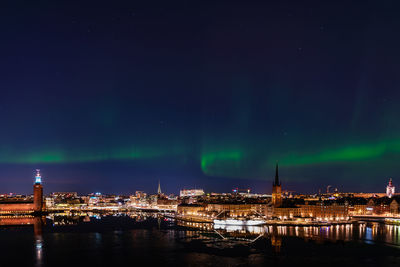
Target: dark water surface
(153,240)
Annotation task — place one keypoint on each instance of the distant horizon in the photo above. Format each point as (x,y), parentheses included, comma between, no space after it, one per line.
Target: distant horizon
(51,186)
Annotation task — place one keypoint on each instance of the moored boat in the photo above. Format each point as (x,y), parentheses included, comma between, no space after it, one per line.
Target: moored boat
(239,222)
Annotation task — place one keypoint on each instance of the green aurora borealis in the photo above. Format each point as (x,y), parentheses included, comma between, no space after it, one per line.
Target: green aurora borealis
(222,163)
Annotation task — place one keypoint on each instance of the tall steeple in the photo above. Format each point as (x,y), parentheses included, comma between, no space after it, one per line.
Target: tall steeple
(276,189)
(159,188)
(276,182)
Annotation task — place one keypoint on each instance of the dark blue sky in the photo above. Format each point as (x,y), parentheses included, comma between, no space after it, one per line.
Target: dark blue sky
(113,96)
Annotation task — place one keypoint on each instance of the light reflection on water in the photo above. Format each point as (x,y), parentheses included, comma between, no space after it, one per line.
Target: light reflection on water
(37,229)
(369,233)
(39,252)
(166,229)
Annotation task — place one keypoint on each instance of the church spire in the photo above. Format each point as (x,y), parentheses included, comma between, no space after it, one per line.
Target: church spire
(276,176)
(159,188)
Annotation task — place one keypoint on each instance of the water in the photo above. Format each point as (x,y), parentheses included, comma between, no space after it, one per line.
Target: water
(151,239)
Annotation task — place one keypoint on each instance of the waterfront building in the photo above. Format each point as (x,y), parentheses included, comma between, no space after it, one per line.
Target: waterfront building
(325,211)
(236,209)
(379,206)
(357,205)
(189,209)
(358,209)
(316,211)
(394,207)
(370,209)
(284,213)
(210,211)
(166,204)
(24,206)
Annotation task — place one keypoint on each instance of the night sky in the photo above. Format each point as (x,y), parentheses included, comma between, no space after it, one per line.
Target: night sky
(113,96)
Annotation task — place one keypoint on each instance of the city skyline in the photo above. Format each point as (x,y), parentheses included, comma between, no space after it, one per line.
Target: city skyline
(230,188)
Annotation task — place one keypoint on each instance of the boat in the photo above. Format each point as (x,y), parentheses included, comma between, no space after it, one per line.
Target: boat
(239,222)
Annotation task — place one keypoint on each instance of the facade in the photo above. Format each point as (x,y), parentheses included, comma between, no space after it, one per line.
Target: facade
(167,204)
(276,190)
(376,206)
(325,211)
(319,211)
(286,212)
(191,192)
(394,207)
(379,206)
(189,209)
(49,202)
(358,209)
(236,210)
(208,212)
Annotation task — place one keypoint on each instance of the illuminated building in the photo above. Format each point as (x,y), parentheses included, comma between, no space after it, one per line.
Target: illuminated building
(368,195)
(276,190)
(38,192)
(285,213)
(49,202)
(390,189)
(26,206)
(357,206)
(140,194)
(64,194)
(236,210)
(394,207)
(189,209)
(191,192)
(378,206)
(325,211)
(317,211)
(166,204)
(208,212)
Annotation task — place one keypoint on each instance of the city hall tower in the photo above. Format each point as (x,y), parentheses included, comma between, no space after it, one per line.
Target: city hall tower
(38,192)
